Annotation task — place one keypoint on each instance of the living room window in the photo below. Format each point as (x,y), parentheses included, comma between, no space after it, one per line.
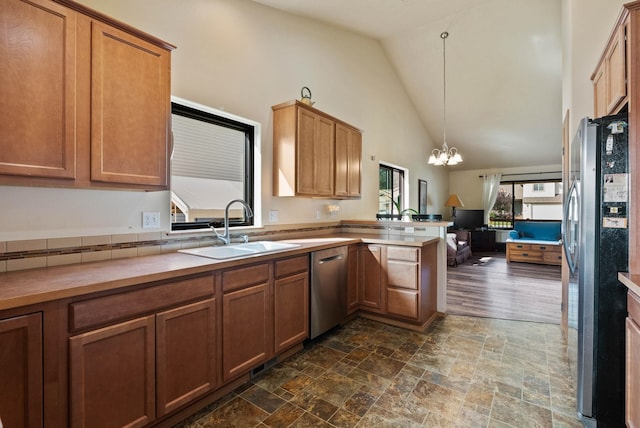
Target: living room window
(213,162)
(526,200)
(392,189)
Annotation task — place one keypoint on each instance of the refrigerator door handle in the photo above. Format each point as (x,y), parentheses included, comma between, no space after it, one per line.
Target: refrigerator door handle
(565,236)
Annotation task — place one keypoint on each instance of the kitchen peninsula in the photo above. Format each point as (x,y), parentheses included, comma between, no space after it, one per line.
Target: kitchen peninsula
(139,318)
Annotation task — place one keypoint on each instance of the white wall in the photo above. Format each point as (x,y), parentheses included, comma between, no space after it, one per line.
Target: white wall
(241,57)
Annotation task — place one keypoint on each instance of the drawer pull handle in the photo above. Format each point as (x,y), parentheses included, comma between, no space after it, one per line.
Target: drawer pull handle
(525,255)
(519,246)
(543,248)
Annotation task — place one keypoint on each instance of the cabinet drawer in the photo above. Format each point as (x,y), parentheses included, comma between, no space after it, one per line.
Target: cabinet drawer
(527,255)
(103,310)
(633,306)
(235,279)
(513,246)
(403,253)
(546,248)
(402,274)
(402,303)
(292,266)
(554,257)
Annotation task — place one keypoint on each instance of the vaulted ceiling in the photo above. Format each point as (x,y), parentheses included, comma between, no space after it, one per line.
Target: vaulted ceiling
(503,69)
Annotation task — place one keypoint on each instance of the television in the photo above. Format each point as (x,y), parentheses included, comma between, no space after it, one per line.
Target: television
(469,219)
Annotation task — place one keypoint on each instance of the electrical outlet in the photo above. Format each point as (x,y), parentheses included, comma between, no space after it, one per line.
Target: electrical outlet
(273,216)
(318,215)
(151,220)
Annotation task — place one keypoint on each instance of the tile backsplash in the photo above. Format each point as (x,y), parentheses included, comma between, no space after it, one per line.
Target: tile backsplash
(39,253)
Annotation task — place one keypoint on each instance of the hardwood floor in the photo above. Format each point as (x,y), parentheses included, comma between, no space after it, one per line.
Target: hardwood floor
(487,286)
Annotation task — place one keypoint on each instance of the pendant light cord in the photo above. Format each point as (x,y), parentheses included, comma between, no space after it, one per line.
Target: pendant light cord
(444,36)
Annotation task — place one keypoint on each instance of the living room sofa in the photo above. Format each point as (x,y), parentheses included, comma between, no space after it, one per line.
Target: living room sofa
(458,247)
(535,242)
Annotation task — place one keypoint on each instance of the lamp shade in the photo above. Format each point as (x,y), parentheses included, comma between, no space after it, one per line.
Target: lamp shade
(454,201)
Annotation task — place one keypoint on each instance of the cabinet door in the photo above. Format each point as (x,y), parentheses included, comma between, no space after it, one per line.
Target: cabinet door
(246,326)
(353,295)
(615,63)
(632,416)
(371,277)
(185,354)
(348,161)
(291,316)
(315,154)
(112,373)
(21,371)
(130,107)
(38,87)
(600,92)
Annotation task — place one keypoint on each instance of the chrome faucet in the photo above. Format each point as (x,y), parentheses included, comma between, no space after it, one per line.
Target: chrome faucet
(226,239)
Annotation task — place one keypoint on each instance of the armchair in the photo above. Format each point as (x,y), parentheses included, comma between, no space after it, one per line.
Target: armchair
(458,247)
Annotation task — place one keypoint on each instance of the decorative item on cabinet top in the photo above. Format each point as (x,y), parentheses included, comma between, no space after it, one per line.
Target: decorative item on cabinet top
(306,96)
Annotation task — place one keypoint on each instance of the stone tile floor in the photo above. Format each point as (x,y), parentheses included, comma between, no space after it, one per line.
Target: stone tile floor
(463,372)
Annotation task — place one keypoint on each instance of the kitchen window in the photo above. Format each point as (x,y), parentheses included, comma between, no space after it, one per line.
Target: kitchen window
(392,190)
(215,159)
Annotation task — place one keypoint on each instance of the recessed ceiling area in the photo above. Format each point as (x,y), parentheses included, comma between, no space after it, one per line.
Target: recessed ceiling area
(503,69)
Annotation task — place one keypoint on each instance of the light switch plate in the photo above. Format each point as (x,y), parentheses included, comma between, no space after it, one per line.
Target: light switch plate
(151,220)
(273,216)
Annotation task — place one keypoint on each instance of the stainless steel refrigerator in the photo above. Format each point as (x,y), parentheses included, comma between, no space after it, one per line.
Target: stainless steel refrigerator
(595,237)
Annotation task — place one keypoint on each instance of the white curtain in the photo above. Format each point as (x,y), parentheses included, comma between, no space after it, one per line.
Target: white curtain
(490,187)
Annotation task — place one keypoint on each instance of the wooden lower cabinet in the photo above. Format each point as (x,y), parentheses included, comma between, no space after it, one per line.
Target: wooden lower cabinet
(185,354)
(396,282)
(403,270)
(265,311)
(353,288)
(291,310)
(371,277)
(21,367)
(112,374)
(632,393)
(246,325)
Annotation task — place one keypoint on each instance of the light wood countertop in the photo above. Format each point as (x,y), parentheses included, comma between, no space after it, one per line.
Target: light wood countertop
(632,282)
(27,287)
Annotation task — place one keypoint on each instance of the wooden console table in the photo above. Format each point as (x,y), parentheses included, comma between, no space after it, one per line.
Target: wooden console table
(547,254)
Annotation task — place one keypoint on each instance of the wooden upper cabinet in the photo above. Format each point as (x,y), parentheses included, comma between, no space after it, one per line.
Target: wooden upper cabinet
(130,93)
(348,161)
(86,99)
(314,154)
(610,77)
(38,87)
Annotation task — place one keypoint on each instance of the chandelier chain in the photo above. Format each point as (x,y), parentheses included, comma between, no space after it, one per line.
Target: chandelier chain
(444,36)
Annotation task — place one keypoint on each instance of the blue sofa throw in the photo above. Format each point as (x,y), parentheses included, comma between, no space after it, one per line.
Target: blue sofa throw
(536,231)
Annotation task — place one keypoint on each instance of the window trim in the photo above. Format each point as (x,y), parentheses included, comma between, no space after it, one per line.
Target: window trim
(253,162)
(513,198)
(404,188)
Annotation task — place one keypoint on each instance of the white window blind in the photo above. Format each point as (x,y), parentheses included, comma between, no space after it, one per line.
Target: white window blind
(206,150)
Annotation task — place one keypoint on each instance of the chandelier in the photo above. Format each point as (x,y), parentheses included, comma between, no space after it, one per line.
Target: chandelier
(446,155)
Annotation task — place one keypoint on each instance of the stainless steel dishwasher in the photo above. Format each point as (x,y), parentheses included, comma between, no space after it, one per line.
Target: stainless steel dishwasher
(328,289)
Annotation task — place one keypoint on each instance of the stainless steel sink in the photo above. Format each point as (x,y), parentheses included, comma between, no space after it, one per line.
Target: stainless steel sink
(239,250)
